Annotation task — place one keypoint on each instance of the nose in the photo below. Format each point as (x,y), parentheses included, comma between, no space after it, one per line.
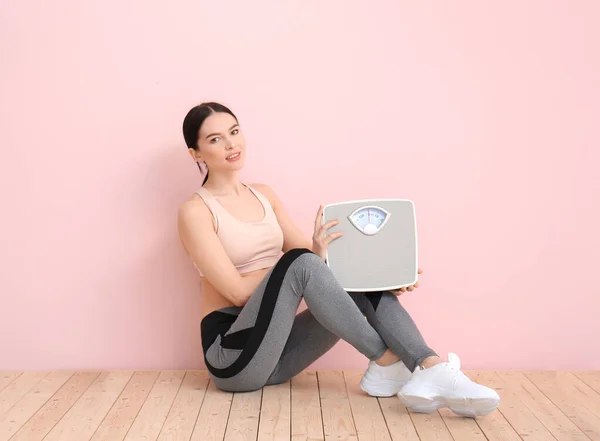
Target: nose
(229,144)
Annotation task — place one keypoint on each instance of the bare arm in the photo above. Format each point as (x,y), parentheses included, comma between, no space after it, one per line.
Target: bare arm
(197,233)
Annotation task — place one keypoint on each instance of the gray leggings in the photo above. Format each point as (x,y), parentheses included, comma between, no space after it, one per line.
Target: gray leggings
(266,342)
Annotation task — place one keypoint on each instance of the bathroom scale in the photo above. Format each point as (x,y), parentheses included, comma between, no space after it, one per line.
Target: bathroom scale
(378,250)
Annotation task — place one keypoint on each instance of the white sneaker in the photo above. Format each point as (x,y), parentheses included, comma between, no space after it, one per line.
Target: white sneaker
(384,381)
(445,385)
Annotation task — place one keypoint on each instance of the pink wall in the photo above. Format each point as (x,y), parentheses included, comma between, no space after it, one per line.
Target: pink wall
(484,113)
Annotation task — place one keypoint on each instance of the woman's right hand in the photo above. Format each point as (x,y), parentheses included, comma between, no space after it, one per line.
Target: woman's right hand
(320,237)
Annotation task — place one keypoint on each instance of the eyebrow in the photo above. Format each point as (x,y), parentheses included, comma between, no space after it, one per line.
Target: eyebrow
(213,134)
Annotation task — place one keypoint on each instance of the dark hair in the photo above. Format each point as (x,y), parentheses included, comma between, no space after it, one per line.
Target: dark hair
(194,120)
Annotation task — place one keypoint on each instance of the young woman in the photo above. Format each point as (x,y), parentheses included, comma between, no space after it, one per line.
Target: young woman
(256,267)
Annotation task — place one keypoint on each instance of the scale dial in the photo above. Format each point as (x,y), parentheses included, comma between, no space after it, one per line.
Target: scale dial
(369,219)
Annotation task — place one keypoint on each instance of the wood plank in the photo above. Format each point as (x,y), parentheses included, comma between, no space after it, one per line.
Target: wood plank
(368,417)
(243,419)
(82,420)
(461,428)
(521,411)
(313,406)
(307,421)
(575,388)
(18,388)
(430,426)
(338,423)
(398,419)
(275,418)
(55,408)
(212,419)
(12,420)
(8,377)
(184,413)
(120,417)
(153,414)
(592,379)
(544,410)
(548,383)
(495,426)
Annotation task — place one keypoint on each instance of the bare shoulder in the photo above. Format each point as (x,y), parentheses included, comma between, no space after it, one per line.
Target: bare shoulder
(194,211)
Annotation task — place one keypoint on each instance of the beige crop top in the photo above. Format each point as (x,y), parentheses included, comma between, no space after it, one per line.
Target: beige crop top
(250,245)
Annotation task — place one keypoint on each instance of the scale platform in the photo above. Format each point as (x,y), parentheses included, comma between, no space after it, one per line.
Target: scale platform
(378,250)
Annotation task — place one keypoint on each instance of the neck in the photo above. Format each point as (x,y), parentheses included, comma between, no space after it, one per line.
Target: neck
(224,184)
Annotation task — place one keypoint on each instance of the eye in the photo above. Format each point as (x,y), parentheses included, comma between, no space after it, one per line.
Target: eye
(235,131)
(215,140)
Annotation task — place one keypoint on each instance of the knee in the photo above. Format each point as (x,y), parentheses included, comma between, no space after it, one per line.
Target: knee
(304,259)
(308,259)
(308,264)
(300,265)
(296,253)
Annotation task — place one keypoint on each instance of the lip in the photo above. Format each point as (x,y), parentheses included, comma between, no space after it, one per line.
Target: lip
(239,152)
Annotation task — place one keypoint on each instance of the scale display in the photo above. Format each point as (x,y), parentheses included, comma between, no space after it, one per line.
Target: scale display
(378,250)
(369,220)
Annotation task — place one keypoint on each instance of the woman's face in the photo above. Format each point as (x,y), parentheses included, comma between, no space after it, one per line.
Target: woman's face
(220,143)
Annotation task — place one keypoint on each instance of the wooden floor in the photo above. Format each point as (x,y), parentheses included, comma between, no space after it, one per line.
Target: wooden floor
(323,405)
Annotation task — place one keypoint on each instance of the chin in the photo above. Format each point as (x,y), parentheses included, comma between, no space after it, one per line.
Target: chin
(237,165)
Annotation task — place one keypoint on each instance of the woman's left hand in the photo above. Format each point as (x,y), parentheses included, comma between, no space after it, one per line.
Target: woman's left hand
(399,292)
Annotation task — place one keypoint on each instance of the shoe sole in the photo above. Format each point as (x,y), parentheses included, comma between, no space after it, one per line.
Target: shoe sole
(467,407)
(380,387)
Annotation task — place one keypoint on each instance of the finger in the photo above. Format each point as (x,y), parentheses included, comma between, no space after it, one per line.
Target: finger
(417,285)
(328,225)
(410,288)
(403,289)
(420,271)
(331,237)
(319,218)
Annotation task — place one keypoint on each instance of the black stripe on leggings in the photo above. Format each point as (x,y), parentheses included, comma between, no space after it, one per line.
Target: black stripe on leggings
(374,298)
(237,340)
(263,319)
